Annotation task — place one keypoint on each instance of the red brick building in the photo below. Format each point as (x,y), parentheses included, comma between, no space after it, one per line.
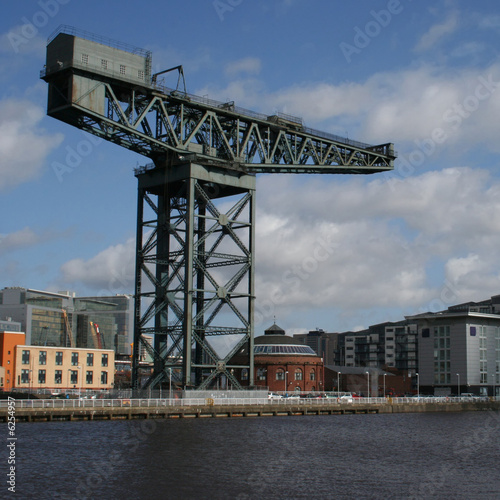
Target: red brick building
(282,363)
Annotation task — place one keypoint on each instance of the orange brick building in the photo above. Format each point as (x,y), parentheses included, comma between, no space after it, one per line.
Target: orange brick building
(8,343)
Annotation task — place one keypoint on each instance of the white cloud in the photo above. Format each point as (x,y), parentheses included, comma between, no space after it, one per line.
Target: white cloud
(167,56)
(490,22)
(354,247)
(458,267)
(245,92)
(468,49)
(476,275)
(358,246)
(26,237)
(248,65)
(461,107)
(437,32)
(111,271)
(406,107)
(22,40)
(23,144)
(22,238)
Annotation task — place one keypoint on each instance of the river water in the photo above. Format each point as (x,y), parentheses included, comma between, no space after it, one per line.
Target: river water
(400,456)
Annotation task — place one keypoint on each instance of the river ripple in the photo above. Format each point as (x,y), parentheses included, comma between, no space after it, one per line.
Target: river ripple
(394,456)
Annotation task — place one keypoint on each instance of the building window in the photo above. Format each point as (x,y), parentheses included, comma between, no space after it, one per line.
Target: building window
(140,74)
(122,69)
(90,377)
(25,360)
(104,64)
(298,374)
(312,375)
(104,360)
(244,374)
(442,355)
(483,363)
(104,378)
(58,377)
(25,376)
(90,359)
(74,377)
(261,374)
(41,376)
(74,359)
(85,58)
(42,358)
(59,358)
(280,374)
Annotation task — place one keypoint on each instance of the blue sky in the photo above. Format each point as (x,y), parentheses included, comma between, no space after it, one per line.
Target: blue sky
(423,75)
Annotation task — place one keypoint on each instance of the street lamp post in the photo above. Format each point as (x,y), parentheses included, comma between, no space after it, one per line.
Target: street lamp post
(286,381)
(79,367)
(418,385)
(458,384)
(170,383)
(338,383)
(384,383)
(368,375)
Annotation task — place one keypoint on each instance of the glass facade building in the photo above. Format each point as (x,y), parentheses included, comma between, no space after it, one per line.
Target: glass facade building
(63,320)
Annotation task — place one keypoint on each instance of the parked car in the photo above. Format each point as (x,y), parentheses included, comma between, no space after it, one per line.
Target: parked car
(272,396)
(346,399)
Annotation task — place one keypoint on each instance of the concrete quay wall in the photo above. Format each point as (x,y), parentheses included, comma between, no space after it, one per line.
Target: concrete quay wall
(230,411)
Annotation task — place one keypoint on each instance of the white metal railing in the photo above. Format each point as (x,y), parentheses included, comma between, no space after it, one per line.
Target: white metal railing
(159,403)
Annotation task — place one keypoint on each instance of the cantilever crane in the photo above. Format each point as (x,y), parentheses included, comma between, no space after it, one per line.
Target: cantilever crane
(195,263)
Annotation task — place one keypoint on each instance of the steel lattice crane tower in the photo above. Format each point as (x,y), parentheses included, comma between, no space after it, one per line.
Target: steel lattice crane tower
(196,200)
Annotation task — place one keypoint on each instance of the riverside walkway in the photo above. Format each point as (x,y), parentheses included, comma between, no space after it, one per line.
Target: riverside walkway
(36,410)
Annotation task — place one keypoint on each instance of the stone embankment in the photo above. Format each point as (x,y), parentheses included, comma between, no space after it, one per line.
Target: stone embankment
(129,411)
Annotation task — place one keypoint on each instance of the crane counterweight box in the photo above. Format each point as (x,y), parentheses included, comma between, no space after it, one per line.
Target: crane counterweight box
(73,60)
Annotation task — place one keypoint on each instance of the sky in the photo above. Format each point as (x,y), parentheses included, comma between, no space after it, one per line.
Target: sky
(335,252)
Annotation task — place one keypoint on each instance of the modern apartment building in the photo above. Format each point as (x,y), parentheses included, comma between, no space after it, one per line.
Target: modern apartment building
(447,352)
(459,350)
(390,345)
(322,343)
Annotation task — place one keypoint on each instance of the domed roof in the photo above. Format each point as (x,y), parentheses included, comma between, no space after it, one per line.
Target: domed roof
(303,350)
(275,341)
(274,330)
